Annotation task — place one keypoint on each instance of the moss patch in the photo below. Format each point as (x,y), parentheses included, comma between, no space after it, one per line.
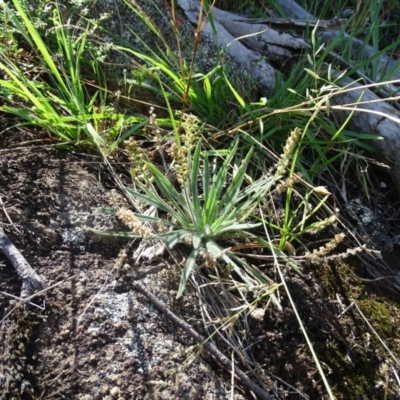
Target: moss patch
(354,355)
(379,316)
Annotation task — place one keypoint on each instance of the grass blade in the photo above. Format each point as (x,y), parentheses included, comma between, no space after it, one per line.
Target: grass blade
(187,270)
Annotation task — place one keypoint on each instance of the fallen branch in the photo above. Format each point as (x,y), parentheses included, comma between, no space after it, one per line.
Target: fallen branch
(31,281)
(251,42)
(250,60)
(212,349)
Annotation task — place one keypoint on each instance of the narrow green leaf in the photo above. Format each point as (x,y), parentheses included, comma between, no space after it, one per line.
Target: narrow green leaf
(166,187)
(197,238)
(231,259)
(229,198)
(176,237)
(213,248)
(153,201)
(39,43)
(193,180)
(187,270)
(25,87)
(94,135)
(154,220)
(212,206)
(239,227)
(206,179)
(235,93)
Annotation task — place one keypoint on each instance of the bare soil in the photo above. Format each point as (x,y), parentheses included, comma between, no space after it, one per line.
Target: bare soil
(96,338)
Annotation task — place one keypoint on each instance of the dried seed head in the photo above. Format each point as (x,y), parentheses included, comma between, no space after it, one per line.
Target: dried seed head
(137,157)
(257,313)
(322,190)
(181,163)
(288,150)
(209,260)
(329,246)
(134,223)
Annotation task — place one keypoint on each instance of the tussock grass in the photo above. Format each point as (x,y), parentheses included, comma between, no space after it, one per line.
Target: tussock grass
(53,95)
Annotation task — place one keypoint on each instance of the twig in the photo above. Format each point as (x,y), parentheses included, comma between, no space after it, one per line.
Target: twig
(396,376)
(213,350)
(27,300)
(233,376)
(31,281)
(7,216)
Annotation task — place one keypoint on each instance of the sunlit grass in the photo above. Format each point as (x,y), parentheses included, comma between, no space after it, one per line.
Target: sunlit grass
(53,94)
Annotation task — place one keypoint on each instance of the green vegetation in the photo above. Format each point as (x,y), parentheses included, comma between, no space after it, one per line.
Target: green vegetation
(234,171)
(58,100)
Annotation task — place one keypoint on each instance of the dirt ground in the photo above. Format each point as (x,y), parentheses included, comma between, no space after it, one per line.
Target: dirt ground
(96,338)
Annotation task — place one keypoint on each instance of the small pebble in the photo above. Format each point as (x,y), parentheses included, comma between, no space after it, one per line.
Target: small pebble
(114,391)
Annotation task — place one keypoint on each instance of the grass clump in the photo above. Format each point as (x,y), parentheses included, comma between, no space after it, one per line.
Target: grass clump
(53,94)
(202,211)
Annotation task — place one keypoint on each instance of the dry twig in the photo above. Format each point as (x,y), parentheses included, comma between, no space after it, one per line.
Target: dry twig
(27,299)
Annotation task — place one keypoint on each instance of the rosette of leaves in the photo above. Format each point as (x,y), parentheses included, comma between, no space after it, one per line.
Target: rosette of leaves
(222,208)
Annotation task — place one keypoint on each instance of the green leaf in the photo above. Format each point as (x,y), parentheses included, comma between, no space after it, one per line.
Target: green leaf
(154,220)
(197,238)
(235,93)
(214,248)
(166,187)
(176,237)
(187,270)
(212,205)
(239,227)
(34,35)
(149,200)
(193,181)
(231,259)
(230,196)
(95,136)
(206,178)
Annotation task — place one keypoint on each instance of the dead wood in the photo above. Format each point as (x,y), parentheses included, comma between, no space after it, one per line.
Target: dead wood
(297,25)
(31,281)
(373,116)
(256,65)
